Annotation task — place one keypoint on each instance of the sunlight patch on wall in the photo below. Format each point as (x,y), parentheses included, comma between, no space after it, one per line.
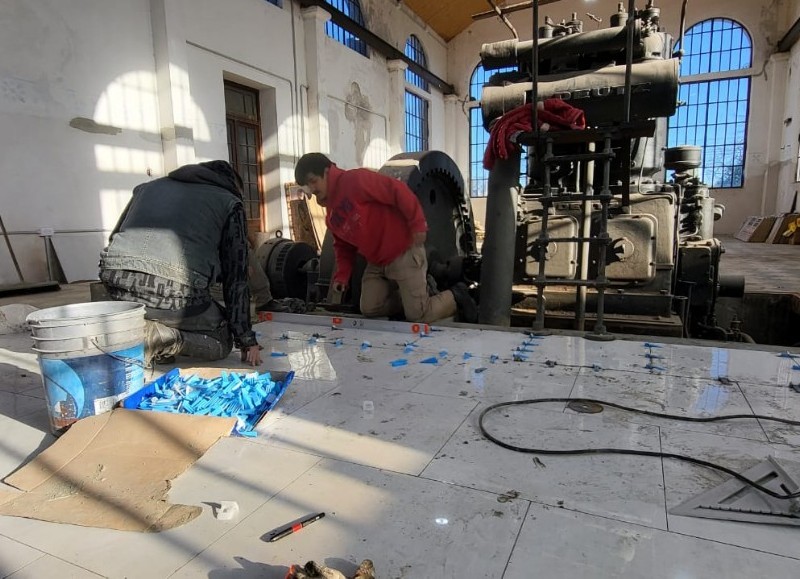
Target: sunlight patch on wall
(130,102)
(128,160)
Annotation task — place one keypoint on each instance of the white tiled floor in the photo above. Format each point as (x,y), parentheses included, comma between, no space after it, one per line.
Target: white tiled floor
(395,458)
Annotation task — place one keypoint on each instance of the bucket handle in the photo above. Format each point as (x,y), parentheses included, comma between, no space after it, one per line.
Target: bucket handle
(123,359)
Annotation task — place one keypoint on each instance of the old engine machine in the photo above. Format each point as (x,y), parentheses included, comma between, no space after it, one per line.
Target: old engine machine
(608,230)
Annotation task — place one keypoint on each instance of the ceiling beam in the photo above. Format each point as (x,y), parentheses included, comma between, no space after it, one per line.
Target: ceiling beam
(790,38)
(379,44)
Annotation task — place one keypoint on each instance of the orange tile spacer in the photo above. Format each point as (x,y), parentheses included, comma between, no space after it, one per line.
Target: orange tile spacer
(336,321)
(264,316)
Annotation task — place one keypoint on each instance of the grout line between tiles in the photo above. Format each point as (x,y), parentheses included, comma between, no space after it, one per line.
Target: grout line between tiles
(729,544)
(516,539)
(663,475)
(255,509)
(460,424)
(26,565)
(750,406)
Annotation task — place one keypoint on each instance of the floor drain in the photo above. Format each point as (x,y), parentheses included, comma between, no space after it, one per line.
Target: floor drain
(585,407)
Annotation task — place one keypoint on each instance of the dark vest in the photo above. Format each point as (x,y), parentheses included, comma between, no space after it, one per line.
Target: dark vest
(172,229)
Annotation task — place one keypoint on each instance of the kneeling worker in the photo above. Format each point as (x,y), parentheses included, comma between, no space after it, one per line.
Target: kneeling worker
(380,218)
(177,234)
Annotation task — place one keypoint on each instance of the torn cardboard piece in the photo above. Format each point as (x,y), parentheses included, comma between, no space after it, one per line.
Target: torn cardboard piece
(114,471)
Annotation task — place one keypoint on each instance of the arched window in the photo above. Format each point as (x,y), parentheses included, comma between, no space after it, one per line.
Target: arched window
(714,110)
(415,52)
(416,104)
(479,137)
(352,9)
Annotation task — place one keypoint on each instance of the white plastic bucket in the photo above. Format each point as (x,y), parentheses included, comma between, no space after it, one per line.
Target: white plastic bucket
(91,356)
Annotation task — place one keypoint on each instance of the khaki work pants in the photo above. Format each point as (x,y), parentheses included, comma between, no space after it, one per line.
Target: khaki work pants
(402,286)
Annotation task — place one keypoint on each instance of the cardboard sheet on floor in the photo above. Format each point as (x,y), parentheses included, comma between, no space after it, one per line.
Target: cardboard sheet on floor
(114,471)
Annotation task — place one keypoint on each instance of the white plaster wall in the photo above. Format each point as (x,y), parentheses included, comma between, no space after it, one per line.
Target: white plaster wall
(766,23)
(356,135)
(253,48)
(789,145)
(61,60)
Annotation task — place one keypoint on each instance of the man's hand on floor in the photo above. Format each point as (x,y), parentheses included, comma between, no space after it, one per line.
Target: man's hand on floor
(252,355)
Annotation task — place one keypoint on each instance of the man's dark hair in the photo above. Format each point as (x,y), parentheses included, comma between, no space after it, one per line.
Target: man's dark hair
(313,163)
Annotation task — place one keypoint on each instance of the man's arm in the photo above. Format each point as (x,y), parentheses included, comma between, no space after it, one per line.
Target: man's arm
(345,258)
(233,257)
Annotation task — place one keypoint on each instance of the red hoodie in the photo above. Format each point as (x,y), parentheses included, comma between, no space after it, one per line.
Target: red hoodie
(371,214)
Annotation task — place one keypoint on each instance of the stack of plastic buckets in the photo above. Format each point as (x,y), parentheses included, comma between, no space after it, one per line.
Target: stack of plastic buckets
(91,356)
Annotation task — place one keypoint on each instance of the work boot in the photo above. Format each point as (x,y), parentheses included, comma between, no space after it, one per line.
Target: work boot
(160,343)
(366,570)
(314,569)
(467,308)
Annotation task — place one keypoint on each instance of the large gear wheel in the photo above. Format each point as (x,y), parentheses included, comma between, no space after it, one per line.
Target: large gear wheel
(436,181)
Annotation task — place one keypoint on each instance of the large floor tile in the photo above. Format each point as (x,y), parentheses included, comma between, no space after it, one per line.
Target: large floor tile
(734,363)
(49,566)
(668,394)
(19,442)
(623,487)
(777,402)
(478,343)
(482,380)
(19,405)
(14,556)
(373,426)
(234,469)
(408,526)
(556,543)
(684,481)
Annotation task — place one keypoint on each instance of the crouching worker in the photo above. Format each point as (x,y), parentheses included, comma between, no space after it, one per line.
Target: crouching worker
(175,237)
(380,218)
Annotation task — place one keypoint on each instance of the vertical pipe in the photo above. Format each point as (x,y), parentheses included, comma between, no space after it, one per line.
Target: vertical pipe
(629,58)
(605,199)
(585,232)
(497,269)
(535,71)
(538,324)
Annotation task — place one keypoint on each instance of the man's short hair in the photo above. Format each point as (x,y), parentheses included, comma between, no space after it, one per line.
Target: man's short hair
(311,163)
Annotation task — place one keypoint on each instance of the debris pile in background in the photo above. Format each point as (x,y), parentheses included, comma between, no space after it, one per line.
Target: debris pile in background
(246,397)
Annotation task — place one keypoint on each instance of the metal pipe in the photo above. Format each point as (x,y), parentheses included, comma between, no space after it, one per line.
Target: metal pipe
(497,270)
(535,71)
(505,53)
(629,58)
(11,251)
(585,231)
(504,18)
(605,199)
(510,8)
(541,278)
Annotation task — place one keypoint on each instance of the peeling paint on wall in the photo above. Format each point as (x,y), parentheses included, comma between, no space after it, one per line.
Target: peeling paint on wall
(357,111)
(90,126)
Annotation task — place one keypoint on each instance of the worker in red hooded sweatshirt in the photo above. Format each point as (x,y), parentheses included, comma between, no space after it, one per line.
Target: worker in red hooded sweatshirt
(380,218)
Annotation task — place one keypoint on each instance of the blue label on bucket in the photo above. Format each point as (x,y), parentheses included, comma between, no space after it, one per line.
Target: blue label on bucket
(79,387)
